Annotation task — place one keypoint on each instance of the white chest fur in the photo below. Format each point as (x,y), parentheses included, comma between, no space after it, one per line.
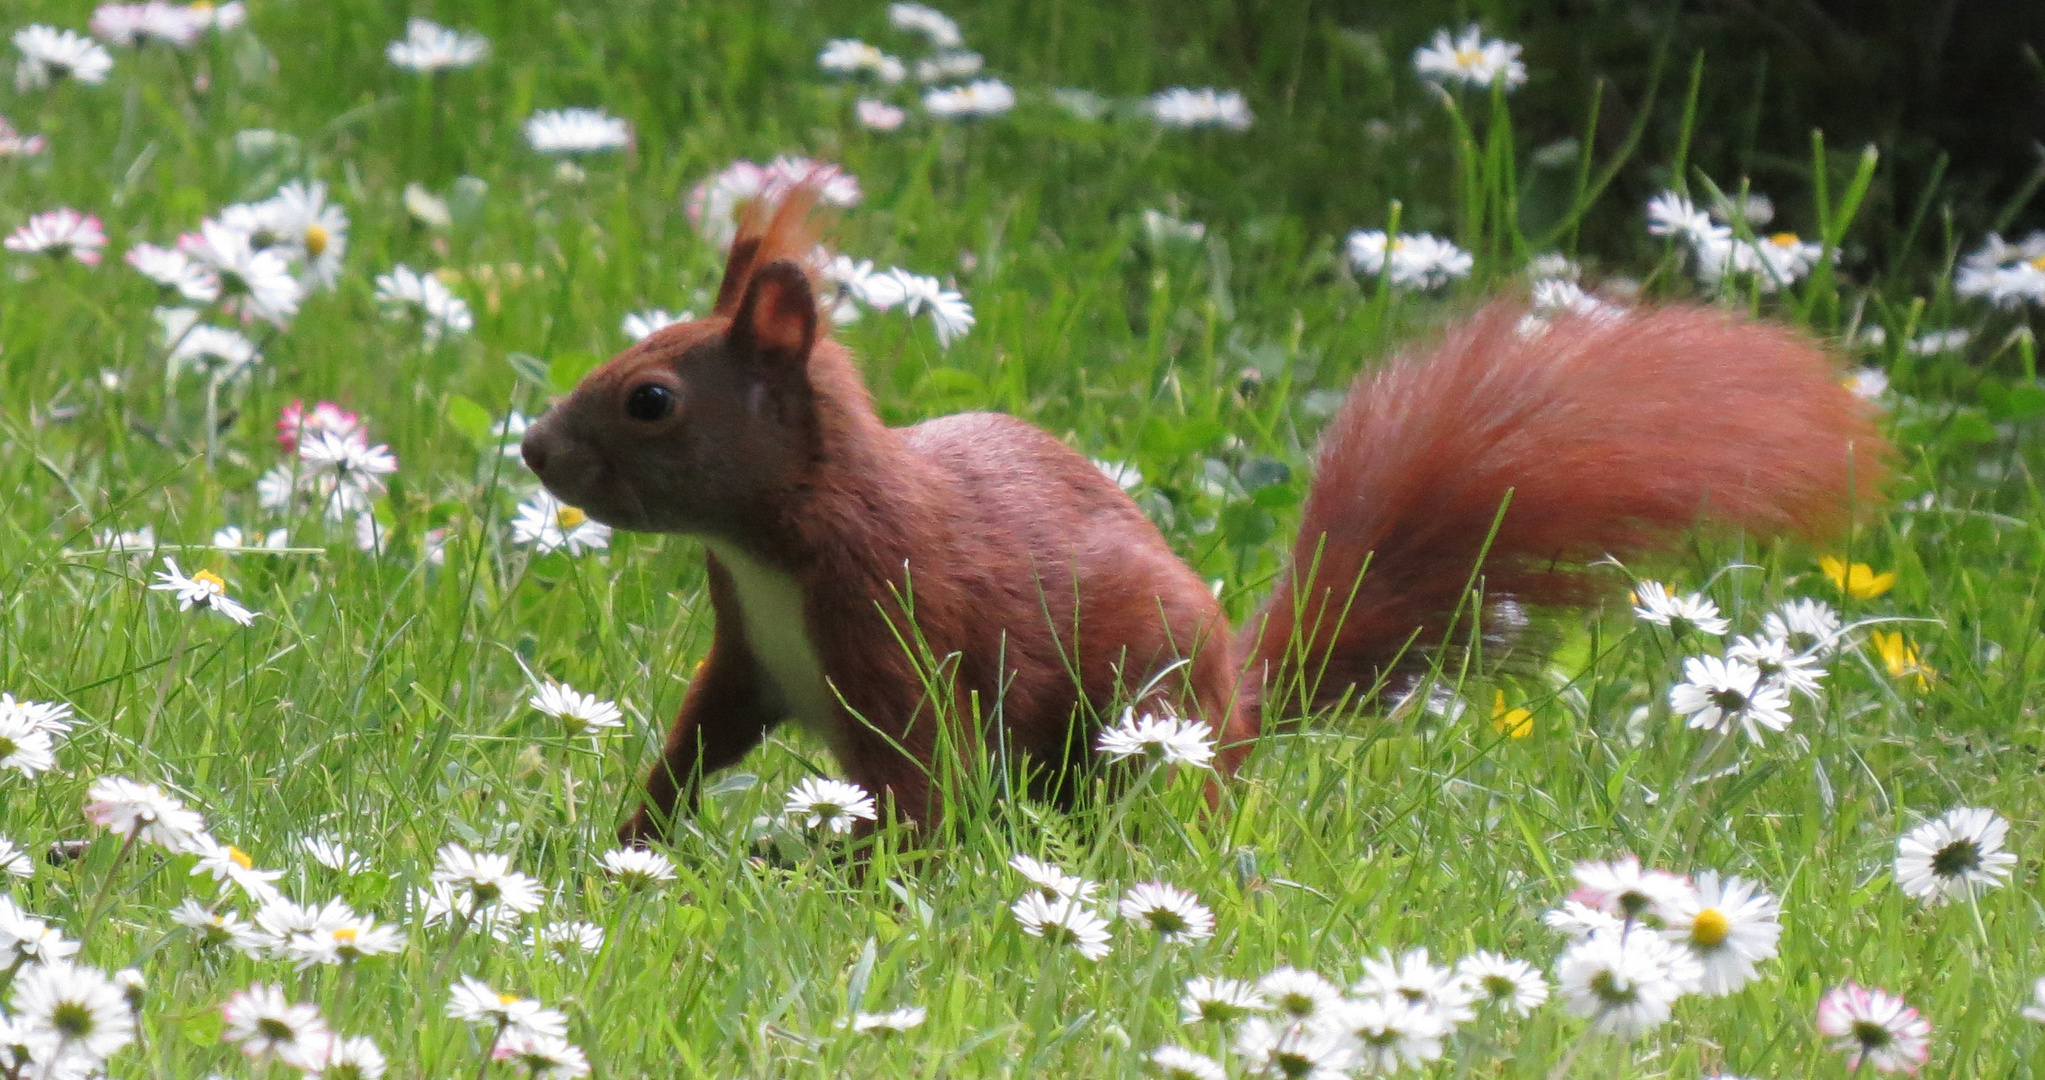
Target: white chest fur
(770,602)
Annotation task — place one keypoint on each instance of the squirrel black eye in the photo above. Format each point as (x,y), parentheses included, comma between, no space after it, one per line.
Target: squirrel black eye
(650,401)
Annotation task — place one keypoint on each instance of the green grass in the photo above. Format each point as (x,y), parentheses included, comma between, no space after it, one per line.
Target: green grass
(381,700)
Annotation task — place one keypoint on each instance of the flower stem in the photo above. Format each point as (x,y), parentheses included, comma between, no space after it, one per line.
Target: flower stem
(106,887)
(1569,1056)
(483,1068)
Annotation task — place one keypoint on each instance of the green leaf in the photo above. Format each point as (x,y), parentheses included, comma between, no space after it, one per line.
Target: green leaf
(471,419)
(530,368)
(569,368)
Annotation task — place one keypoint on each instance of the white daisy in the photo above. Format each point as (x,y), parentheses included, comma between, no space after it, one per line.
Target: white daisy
(1416,979)
(295,422)
(175,272)
(25,746)
(578,713)
(1389,1032)
(1717,694)
(1209,1000)
(310,230)
(1064,921)
(2007,275)
(641,325)
(1182,107)
(1779,664)
(263,1022)
(1050,880)
(473,1001)
(979,98)
(1173,913)
(15,862)
(1674,215)
(878,115)
(1296,994)
(935,26)
(143,812)
(339,1058)
(714,204)
(1876,1027)
(1502,982)
(487,878)
(281,920)
(1470,59)
(831,805)
(53,717)
(176,25)
(1422,261)
(439,904)
(1167,739)
(1937,342)
(541,1056)
(948,65)
(1656,603)
(225,862)
(1954,857)
(559,940)
(333,855)
(1179,1063)
(13,144)
(49,54)
(211,929)
(894,1020)
(58,233)
(345,470)
(1624,982)
(1287,1050)
(1809,626)
(2035,1011)
(215,352)
(1623,889)
(25,939)
(637,868)
(548,524)
(405,293)
(71,1013)
(254,281)
(850,56)
(428,46)
(1727,927)
(354,938)
(950,314)
(231,539)
(576,131)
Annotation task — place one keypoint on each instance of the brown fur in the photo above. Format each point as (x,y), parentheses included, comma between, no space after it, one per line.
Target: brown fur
(1036,596)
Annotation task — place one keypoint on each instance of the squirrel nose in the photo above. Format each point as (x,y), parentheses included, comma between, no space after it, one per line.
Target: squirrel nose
(534,451)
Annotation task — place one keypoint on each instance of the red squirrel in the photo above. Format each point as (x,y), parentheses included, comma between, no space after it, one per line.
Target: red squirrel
(1040,598)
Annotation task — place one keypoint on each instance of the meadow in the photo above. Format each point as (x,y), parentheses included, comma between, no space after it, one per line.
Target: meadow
(391,260)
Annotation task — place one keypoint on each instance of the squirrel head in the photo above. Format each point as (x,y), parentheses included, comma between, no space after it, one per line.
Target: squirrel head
(704,427)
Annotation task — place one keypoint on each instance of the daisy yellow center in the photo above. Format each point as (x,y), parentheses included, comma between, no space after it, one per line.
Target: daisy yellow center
(202,7)
(2038,263)
(569,517)
(1612,990)
(1412,994)
(1956,858)
(1166,921)
(211,579)
(1709,929)
(1729,700)
(315,240)
(1468,57)
(71,1019)
(240,858)
(346,935)
(8,747)
(507,999)
(1870,1034)
(1396,244)
(1499,987)
(1784,239)
(276,1030)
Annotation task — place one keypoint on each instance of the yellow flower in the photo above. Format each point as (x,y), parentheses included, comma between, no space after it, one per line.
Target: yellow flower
(1901,658)
(1859,580)
(1517,723)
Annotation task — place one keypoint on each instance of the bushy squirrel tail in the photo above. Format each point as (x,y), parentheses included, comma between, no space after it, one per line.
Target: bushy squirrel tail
(1538,449)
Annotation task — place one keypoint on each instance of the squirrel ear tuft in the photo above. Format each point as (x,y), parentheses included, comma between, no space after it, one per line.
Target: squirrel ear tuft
(778,316)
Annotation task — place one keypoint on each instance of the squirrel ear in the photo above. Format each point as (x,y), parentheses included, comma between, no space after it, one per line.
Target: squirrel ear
(778,316)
